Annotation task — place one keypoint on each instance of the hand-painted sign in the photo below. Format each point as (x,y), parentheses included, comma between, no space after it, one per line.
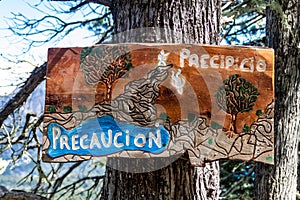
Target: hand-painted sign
(159,100)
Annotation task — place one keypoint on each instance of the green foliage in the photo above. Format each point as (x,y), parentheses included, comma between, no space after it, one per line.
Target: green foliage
(164,116)
(85,52)
(67,109)
(246,128)
(191,117)
(237,179)
(269,158)
(82,108)
(105,63)
(259,113)
(51,109)
(102,26)
(244,22)
(236,95)
(215,125)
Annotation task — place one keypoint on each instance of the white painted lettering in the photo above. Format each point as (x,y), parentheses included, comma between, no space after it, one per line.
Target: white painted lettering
(229,61)
(75,142)
(222,62)
(116,143)
(95,141)
(242,66)
(140,137)
(127,138)
(252,64)
(203,61)
(82,145)
(194,60)
(212,62)
(109,140)
(56,134)
(184,54)
(156,139)
(261,66)
(64,142)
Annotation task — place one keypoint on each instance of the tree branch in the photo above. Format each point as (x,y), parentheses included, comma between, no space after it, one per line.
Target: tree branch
(51,27)
(103,2)
(104,37)
(36,77)
(19,194)
(107,3)
(60,180)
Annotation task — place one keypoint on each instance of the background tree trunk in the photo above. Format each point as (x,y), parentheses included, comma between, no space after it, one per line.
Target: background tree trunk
(180,21)
(283,34)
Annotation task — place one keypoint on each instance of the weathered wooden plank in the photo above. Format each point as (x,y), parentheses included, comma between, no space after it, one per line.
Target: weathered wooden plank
(157,100)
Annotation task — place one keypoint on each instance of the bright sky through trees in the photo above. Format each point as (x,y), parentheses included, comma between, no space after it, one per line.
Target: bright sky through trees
(15,66)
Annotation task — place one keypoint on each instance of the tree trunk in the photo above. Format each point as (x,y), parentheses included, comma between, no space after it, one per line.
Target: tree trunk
(184,21)
(283,33)
(108,92)
(233,123)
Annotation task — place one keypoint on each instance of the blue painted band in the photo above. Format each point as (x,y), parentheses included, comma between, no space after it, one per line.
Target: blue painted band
(104,136)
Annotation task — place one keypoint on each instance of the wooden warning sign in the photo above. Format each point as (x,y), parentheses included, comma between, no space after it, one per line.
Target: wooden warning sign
(159,100)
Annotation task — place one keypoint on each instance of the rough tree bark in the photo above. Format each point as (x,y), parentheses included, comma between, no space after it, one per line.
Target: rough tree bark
(180,21)
(283,33)
(5,194)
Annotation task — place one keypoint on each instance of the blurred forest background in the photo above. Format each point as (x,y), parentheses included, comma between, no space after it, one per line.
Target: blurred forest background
(26,33)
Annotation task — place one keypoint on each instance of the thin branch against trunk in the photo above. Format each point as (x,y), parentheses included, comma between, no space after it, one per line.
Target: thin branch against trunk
(105,35)
(36,77)
(103,2)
